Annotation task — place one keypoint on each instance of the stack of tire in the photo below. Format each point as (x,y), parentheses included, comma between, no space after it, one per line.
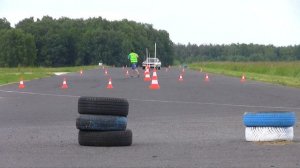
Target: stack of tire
(103,122)
(269,126)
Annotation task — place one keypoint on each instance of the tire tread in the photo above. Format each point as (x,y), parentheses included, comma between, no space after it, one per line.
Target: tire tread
(109,138)
(103,106)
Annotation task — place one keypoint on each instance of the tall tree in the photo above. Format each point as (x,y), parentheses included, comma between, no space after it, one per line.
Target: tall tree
(16,48)
(235,52)
(4,24)
(67,42)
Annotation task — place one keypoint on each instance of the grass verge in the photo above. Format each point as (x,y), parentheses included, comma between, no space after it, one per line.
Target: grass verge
(9,75)
(283,73)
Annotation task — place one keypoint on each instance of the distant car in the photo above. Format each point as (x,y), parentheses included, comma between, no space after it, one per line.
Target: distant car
(152,62)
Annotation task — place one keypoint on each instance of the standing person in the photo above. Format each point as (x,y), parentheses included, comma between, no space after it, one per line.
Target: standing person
(133,57)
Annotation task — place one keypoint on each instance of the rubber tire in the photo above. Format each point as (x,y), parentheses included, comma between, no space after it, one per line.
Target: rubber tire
(256,134)
(103,106)
(110,138)
(101,123)
(269,119)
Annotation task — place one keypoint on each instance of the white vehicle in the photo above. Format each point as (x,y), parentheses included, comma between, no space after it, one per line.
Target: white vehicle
(152,62)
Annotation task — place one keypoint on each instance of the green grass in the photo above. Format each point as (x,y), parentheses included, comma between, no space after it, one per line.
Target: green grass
(283,73)
(9,75)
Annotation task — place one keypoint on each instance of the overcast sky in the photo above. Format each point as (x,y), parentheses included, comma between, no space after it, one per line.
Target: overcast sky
(196,21)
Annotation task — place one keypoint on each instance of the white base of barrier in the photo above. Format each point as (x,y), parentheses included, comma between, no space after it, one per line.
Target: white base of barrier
(269,133)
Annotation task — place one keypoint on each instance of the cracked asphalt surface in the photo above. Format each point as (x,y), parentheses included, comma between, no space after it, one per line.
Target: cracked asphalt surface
(186,124)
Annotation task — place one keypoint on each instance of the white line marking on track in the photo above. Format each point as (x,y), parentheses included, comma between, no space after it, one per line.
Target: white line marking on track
(40,94)
(217,104)
(8,83)
(161,101)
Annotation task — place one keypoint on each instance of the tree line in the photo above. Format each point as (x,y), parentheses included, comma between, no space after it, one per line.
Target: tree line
(73,42)
(235,52)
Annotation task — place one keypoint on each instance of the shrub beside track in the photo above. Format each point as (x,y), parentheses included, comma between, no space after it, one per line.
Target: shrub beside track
(283,73)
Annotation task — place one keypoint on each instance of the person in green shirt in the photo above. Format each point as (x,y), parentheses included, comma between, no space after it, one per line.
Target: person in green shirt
(133,57)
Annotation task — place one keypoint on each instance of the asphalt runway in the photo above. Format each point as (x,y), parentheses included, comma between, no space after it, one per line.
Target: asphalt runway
(185,124)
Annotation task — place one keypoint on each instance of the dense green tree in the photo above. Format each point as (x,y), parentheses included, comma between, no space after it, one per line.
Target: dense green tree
(16,48)
(235,52)
(69,42)
(109,48)
(4,24)
(297,52)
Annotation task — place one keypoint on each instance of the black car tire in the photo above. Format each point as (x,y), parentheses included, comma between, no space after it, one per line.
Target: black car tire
(103,106)
(110,138)
(101,123)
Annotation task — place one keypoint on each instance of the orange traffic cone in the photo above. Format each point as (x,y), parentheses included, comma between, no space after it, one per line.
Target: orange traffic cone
(127,74)
(81,72)
(64,85)
(106,72)
(183,70)
(180,78)
(243,79)
(206,78)
(146,69)
(147,75)
(154,73)
(21,85)
(154,83)
(109,85)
